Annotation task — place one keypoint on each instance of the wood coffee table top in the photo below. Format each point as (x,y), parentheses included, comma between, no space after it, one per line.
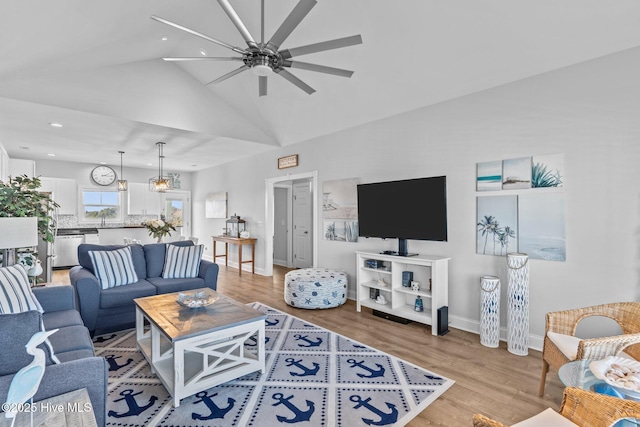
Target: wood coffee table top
(178,322)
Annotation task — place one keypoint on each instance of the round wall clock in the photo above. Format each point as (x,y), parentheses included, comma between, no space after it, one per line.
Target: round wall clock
(103,175)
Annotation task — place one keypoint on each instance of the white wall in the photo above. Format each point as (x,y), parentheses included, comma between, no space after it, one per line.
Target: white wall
(587,112)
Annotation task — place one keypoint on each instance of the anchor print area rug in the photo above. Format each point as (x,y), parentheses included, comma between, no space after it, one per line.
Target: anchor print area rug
(314,377)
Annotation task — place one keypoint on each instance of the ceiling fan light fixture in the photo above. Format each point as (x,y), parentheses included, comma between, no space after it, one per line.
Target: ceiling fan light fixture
(262,70)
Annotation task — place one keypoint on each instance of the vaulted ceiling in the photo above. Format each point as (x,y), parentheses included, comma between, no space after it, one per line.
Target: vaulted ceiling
(96,67)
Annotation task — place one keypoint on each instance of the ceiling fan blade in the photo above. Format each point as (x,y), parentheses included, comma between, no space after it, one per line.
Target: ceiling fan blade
(202,58)
(229,74)
(235,18)
(296,81)
(320,47)
(262,85)
(290,23)
(196,33)
(318,68)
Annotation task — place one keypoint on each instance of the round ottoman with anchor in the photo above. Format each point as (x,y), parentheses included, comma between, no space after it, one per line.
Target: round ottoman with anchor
(315,288)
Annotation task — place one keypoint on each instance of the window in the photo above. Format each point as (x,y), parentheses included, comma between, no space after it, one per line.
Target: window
(101,204)
(174,211)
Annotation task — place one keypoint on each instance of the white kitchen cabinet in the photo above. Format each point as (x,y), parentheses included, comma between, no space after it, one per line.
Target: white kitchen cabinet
(64,191)
(141,201)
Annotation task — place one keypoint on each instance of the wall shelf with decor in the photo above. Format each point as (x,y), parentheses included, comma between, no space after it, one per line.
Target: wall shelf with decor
(379,274)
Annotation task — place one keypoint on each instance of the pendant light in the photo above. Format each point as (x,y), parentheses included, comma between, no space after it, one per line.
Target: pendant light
(122,183)
(161,183)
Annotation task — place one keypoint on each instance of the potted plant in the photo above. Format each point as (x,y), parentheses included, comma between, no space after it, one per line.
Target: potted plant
(19,197)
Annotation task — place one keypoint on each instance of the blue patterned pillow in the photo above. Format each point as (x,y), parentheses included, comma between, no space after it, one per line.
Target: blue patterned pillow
(182,262)
(113,268)
(15,292)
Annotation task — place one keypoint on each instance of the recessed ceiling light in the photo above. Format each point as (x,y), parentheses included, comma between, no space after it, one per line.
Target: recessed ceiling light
(51,155)
(164,38)
(149,164)
(55,125)
(203,52)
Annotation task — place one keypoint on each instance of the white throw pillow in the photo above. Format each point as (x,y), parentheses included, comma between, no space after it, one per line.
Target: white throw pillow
(15,292)
(182,262)
(546,418)
(113,268)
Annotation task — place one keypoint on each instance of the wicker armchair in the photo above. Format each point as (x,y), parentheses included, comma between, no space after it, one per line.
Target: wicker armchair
(564,323)
(583,408)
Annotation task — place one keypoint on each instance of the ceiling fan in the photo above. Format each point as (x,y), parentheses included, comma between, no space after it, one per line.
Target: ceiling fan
(267,58)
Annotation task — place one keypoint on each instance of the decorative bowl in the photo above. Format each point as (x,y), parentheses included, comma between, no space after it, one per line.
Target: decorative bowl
(621,373)
(195,300)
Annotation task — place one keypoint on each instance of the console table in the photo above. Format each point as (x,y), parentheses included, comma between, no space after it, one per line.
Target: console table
(240,241)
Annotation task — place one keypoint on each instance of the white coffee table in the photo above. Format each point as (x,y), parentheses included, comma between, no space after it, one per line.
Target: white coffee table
(194,349)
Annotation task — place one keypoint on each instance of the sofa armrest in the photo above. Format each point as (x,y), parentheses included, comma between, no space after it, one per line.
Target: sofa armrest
(56,298)
(209,272)
(91,373)
(87,289)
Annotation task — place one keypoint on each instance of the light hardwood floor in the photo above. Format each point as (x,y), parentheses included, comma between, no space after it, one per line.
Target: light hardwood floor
(489,381)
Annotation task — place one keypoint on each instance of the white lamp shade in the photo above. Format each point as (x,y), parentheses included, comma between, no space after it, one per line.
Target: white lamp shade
(18,232)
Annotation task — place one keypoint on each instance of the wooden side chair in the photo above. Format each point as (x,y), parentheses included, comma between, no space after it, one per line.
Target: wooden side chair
(562,346)
(580,408)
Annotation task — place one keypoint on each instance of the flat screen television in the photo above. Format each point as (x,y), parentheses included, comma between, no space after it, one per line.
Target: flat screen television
(411,209)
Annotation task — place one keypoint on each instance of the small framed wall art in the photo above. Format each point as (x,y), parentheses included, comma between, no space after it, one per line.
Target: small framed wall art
(288,161)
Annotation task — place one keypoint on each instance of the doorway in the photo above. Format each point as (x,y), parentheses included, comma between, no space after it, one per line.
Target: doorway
(308,240)
(176,206)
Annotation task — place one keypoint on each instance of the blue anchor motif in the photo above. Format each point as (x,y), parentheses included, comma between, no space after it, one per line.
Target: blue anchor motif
(134,409)
(216,412)
(300,415)
(113,363)
(269,323)
(301,288)
(334,294)
(306,371)
(326,301)
(103,339)
(305,338)
(373,373)
(385,418)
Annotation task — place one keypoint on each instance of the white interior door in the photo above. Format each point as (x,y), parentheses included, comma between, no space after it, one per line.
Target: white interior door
(302,223)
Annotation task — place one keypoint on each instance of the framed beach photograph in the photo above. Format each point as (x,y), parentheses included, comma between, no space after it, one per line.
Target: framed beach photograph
(516,173)
(489,176)
(542,226)
(497,225)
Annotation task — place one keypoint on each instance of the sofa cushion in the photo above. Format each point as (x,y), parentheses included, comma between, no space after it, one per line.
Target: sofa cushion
(166,286)
(16,330)
(137,256)
(113,268)
(71,338)
(15,291)
(155,254)
(182,262)
(124,295)
(60,319)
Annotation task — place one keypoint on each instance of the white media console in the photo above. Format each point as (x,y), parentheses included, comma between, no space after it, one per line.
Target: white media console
(386,279)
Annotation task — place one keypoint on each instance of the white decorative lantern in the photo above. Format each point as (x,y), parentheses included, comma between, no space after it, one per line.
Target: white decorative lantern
(490,311)
(518,301)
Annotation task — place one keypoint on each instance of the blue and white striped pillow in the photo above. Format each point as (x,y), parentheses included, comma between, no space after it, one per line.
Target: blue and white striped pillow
(15,292)
(113,268)
(182,262)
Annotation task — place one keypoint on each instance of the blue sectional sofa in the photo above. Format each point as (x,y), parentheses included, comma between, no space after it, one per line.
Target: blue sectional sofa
(106,310)
(72,346)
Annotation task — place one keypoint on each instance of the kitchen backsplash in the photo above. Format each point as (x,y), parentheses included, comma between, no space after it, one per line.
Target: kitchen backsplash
(71,221)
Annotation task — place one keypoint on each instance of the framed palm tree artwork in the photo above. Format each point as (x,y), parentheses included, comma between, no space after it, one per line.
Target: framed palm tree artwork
(497,225)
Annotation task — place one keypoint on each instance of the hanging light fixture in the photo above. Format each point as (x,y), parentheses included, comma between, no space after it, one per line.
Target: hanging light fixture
(122,183)
(161,183)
